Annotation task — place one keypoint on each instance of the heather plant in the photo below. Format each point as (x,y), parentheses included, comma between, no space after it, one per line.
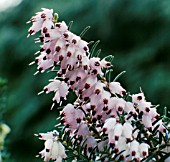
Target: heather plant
(104,122)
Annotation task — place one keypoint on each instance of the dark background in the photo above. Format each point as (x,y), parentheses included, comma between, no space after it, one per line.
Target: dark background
(136,32)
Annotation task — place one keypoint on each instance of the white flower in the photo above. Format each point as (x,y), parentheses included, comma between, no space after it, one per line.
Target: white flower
(109,125)
(53,148)
(143,149)
(127,131)
(115,87)
(137,98)
(134,148)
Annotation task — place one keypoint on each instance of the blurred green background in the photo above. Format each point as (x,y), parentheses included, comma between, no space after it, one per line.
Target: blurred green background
(136,32)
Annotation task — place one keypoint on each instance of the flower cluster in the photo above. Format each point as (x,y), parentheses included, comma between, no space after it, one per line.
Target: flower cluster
(104,116)
(53,148)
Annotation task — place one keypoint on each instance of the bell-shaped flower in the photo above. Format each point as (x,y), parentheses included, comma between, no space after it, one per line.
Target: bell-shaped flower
(118,129)
(83,130)
(146,120)
(137,98)
(122,146)
(127,131)
(134,148)
(39,19)
(120,105)
(109,125)
(115,87)
(90,142)
(129,107)
(83,45)
(143,149)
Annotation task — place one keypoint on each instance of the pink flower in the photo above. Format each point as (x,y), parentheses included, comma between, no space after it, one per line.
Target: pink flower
(115,87)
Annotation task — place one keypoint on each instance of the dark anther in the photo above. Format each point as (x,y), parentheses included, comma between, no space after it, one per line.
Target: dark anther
(36,60)
(105,101)
(74,41)
(58,25)
(63,71)
(40,136)
(47,150)
(61,58)
(70,67)
(112,145)
(78,120)
(104,129)
(93,113)
(65,35)
(58,48)
(129,140)
(79,57)
(85,67)
(133,153)
(108,64)
(120,108)
(48,51)
(42,49)
(86,98)
(94,71)
(93,107)
(72,82)
(97,91)
(45,30)
(62,121)
(41,38)
(80,91)
(31,32)
(85,48)
(68,125)
(116,138)
(47,35)
(40,69)
(135,116)
(88,110)
(116,150)
(43,16)
(105,108)
(121,157)
(69,54)
(139,98)
(99,117)
(94,120)
(44,58)
(109,112)
(55,63)
(124,92)
(66,79)
(78,78)
(144,153)
(46,89)
(97,63)
(87,86)
(147,109)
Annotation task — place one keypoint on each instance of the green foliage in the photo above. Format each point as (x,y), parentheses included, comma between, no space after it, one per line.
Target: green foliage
(136,32)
